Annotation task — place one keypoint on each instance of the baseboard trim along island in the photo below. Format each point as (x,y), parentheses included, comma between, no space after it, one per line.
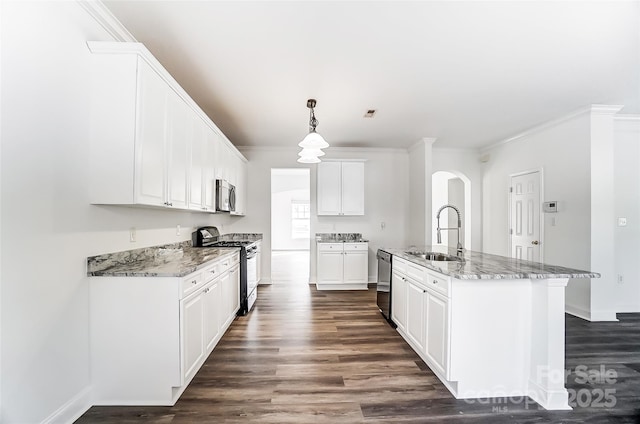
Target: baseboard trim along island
(488,326)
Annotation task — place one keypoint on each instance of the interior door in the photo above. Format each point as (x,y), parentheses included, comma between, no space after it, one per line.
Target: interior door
(525,216)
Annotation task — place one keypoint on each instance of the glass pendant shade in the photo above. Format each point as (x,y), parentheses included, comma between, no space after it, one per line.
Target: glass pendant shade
(308,159)
(315,153)
(313,140)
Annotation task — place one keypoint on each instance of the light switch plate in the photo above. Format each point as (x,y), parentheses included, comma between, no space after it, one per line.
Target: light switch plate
(622,222)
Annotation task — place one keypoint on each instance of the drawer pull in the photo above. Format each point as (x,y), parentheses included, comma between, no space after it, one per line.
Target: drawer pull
(213,271)
(435,281)
(194,282)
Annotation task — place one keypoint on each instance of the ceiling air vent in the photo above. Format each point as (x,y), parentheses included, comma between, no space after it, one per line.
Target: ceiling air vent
(370,113)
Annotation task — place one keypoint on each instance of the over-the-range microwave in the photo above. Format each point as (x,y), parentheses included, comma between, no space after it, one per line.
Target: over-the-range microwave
(225,196)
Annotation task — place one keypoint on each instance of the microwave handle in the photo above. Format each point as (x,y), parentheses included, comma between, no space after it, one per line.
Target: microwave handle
(232,198)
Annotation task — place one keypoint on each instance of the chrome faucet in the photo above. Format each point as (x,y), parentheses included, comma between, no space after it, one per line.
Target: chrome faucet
(459,248)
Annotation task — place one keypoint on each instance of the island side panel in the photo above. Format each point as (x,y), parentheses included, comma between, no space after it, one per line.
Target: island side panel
(490,337)
(546,378)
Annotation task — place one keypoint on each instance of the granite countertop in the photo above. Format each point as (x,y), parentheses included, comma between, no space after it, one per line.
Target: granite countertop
(172,260)
(340,238)
(484,266)
(254,237)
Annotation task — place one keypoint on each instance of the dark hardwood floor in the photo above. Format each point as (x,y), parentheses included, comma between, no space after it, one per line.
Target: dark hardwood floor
(304,356)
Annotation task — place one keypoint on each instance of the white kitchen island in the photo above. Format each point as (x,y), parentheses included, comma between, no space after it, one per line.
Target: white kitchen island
(488,326)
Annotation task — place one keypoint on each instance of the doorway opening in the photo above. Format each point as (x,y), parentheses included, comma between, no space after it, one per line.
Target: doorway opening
(290,225)
(451,188)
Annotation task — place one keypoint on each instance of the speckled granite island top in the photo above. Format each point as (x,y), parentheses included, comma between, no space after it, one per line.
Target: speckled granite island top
(484,266)
(171,260)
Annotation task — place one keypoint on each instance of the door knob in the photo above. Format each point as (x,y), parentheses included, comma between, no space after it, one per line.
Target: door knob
(536,242)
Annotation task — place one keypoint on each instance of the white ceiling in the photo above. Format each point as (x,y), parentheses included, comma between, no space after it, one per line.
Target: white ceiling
(467,73)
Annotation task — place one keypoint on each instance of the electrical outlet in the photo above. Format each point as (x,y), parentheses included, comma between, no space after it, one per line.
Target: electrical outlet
(132,234)
(178,229)
(383,226)
(620,279)
(622,222)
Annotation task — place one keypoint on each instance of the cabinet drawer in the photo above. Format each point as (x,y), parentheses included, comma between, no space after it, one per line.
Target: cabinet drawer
(356,247)
(191,283)
(211,273)
(415,271)
(437,282)
(399,265)
(330,247)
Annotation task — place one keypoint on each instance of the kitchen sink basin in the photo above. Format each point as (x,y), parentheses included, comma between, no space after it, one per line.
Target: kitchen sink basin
(435,256)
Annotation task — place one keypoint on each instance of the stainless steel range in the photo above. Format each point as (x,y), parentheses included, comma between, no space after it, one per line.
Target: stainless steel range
(209,237)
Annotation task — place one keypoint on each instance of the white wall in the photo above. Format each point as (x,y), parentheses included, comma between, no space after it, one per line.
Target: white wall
(562,150)
(627,205)
(48,226)
(386,194)
(466,163)
(287,186)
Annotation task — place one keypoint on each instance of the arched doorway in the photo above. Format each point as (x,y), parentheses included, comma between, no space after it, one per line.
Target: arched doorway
(454,188)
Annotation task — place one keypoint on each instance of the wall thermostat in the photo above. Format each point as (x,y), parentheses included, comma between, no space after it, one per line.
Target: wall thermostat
(548,207)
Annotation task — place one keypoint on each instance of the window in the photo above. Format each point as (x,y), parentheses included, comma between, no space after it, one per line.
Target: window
(300,222)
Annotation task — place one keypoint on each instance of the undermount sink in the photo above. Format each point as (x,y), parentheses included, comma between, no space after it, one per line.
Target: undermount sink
(434,256)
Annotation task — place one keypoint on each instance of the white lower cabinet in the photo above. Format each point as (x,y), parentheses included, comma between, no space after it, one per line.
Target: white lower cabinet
(420,309)
(192,330)
(149,336)
(398,300)
(211,301)
(416,302)
(342,266)
(436,348)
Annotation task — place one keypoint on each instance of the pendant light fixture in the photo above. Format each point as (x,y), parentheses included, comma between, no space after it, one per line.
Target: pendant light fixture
(313,143)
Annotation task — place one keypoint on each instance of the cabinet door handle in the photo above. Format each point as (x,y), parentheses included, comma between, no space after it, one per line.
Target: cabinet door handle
(194,282)
(213,271)
(435,281)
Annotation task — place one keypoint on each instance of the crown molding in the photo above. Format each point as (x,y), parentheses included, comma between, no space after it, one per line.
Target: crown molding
(592,109)
(105,18)
(537,129)
(605,109)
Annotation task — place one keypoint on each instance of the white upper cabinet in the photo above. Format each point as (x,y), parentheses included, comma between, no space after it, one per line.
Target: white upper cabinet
(179,138)
(150,147)
(352,188)
(341,188)
(150,143)
(198,156)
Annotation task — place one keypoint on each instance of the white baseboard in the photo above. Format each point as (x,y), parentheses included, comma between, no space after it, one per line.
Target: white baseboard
(603,316)
(264,281)
(72,410)
(578,312)
(592,316)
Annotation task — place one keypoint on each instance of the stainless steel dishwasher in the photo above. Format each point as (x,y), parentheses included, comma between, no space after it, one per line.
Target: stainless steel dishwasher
(383,286)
